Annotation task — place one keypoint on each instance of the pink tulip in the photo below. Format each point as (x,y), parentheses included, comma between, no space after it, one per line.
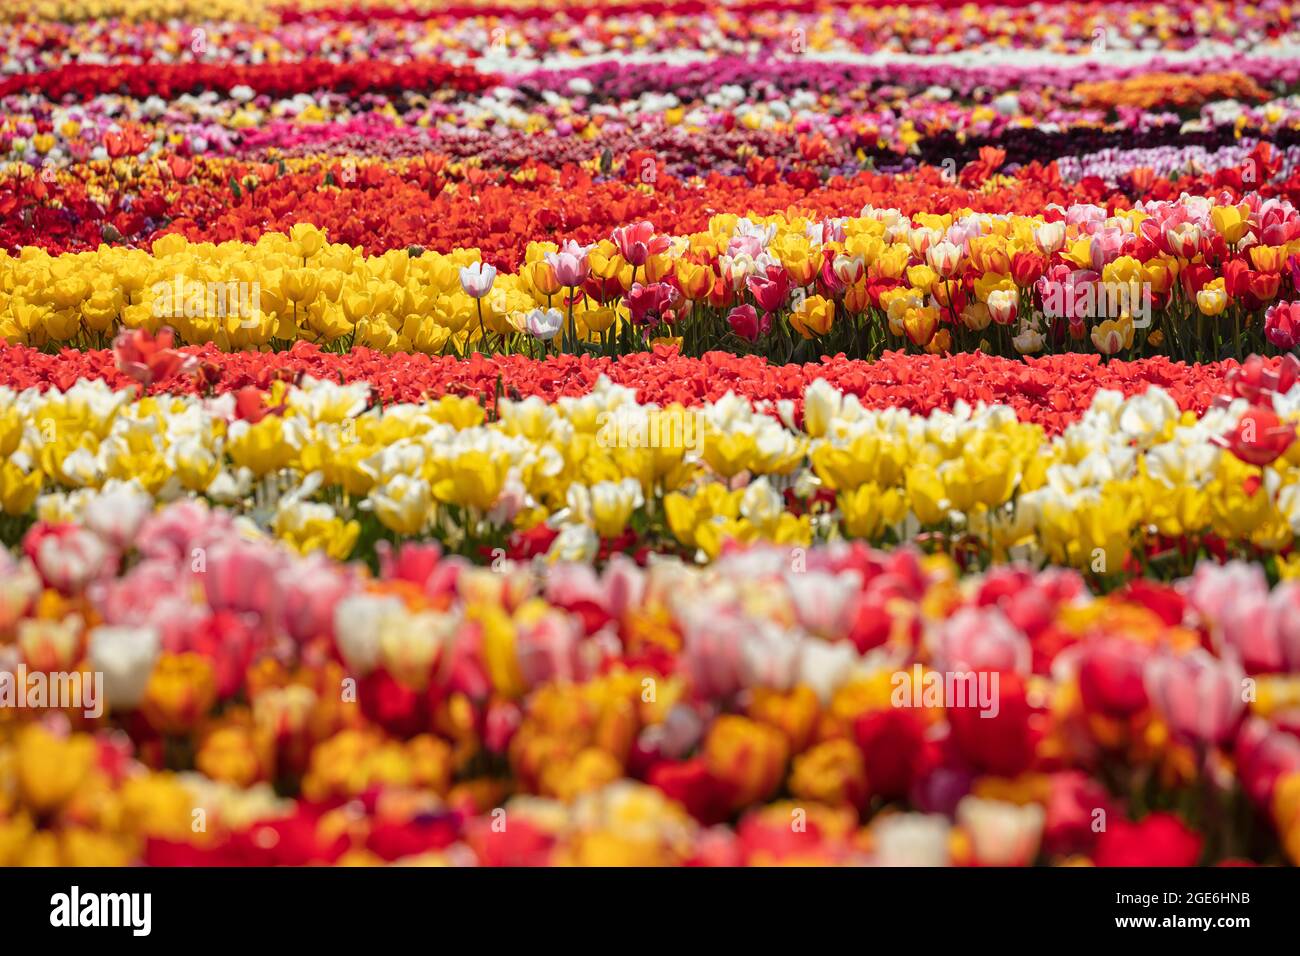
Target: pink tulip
(1233,601)
(1198,694)
(154,593)
(981,639)
(1264,755)
(649,303)
(1285,603)
(745,322)
(571,264)
(746,245)
(174,532)
(548,650)
(243,576)
(824,603)
(638,242)
(624,585)
(1282,325)
(68,556)
(312,589)
(769,292)
(713,651)
(412,561)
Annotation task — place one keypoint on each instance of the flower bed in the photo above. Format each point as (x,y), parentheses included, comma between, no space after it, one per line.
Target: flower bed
(667,432)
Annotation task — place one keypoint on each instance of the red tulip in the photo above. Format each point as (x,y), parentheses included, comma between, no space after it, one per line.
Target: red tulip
(1111,676)
(1256,378)
(1003,743)
(895,752)
(1259,438)
(147,358)
(1160,839)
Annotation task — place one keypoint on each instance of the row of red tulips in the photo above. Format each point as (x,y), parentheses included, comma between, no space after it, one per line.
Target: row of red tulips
(1053,390)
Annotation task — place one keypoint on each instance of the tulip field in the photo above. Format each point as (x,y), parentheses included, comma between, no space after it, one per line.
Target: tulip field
(649,433)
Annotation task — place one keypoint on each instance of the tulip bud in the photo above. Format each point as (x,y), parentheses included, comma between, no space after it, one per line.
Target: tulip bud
(1003,305)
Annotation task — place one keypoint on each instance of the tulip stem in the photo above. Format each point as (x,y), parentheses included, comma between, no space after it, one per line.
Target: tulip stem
(571,328)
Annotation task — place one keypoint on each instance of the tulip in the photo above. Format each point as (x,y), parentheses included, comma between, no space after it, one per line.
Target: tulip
(403,503)
(544,324)
(769,293)
(1198,695)
(571,264)
(1003,305)
(1002,834)
(68,557)
(921,324)
(1282,325)
(1027,268)
(19,586)
(312,589)
(149,359)
(542,277)
(1072,805)
(744,321)
(1231,222)
(1111,674)
(815,316)
(358,622)
(1049,237)
(911,839)
(849,269)
(1184,240)
(976,316)
(647,304)
(307,238)
(895,751)
(1264,756)
(1212,300)
(1256,382)
(1271,259)
(117,513)
(921,239)
(477,278)
(301,285)
(1259,437)
(1112,335)
(612,505)
(126,656)
(179,693)
(48,769)
(637,243)
(944,258)
(981,640)
(830,773)
(751,757)
(695,281)
(1158,840)
(240,576)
